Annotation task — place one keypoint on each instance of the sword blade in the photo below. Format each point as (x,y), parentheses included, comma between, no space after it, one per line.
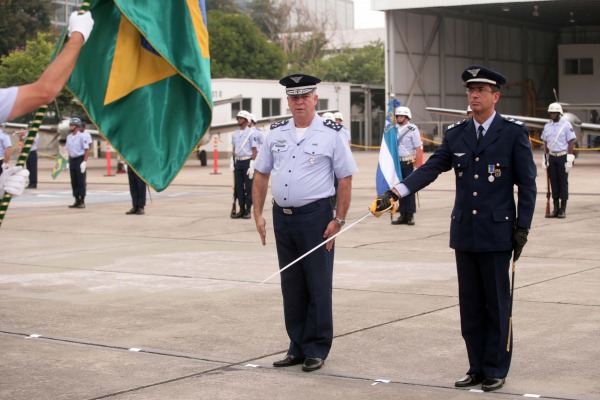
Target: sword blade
(316,247)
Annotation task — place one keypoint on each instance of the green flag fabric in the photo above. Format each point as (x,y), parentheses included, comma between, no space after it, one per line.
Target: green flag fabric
(143,78)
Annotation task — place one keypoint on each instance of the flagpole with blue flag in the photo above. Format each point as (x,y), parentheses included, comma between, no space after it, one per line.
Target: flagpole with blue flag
(388,169)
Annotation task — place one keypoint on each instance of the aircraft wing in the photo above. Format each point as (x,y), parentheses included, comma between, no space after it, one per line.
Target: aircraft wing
(447,111)
(591,127)
(531,122)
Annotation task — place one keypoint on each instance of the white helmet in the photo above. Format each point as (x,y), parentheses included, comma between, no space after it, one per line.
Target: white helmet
(404,111)
(469,109)
(338,115)
(253,118)
(243,114)
(555,107)
(328,116)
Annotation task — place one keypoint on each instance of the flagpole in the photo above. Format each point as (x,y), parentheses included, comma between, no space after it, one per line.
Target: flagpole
(37,121)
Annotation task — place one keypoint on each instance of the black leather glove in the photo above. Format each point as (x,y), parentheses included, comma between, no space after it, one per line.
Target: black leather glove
(519,240)
(388,201)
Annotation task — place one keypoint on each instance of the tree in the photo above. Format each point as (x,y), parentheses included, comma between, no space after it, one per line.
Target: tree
(363,65)
(239,50)
(271,17)
(20,20)
(226,6)
(24,66)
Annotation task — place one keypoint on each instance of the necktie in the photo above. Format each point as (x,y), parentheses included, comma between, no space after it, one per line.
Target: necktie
(479,134)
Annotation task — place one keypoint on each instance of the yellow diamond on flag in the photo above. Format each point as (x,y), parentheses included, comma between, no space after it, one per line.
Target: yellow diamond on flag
(133,66)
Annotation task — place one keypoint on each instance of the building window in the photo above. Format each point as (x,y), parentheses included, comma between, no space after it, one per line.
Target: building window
(579,66)
(323,104)
(237,106)
(271,107)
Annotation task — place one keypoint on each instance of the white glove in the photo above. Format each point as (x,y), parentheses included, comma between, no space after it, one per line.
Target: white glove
(544,161)
(83,167)
(4,166)
(569,163)
(82,23)
(231,165)
(12,181)
(251,170)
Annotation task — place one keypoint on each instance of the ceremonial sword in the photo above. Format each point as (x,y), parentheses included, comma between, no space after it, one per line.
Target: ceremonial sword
(316,247)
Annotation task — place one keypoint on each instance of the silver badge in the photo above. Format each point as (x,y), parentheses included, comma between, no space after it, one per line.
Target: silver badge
(311,160)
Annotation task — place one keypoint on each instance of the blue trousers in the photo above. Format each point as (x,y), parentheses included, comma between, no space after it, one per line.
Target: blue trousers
(408,204)
(77,178)
(32,165)
(243,184)
(559,179)
(137,189)
(484,296)
(307,285)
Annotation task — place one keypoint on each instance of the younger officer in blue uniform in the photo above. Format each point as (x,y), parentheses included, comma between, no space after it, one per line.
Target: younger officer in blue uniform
(411,155)
(490,154)
(244,154)
(559,141)
(78,149)
(302,155)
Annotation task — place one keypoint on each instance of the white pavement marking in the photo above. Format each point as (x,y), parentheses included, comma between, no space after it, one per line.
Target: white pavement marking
(380,381)
(33,336)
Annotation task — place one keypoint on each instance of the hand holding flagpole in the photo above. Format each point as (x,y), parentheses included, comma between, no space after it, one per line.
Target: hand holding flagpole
(37,121)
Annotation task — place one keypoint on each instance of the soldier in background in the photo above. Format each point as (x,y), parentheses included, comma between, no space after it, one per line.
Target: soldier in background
(559,142)
(410,151)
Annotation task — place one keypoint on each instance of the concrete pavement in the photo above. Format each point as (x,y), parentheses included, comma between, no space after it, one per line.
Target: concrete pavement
(169,305)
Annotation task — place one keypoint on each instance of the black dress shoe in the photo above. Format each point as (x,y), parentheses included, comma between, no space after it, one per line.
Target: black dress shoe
(132,211)
(312,364)
(490,384)
(140,210)
(288,361)
(469,380)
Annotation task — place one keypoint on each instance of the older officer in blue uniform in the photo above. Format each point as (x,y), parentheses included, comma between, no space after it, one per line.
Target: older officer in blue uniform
(301,155)
(559,142)
(489,154)
(410,152)
(79,150)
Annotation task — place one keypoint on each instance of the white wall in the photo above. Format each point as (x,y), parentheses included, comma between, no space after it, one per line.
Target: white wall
(579,88)
(338,94)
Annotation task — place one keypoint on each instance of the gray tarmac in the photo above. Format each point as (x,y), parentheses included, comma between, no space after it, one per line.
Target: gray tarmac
(97,304)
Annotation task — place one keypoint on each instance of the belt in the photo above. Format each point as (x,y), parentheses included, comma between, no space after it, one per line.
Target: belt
(243,158)
(409,158)
(301,210)
(558,153)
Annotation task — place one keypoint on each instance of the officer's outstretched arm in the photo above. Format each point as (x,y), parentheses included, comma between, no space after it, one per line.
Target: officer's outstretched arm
(259,193)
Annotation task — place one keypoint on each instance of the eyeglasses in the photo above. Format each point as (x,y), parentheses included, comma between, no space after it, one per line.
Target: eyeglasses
(478,90)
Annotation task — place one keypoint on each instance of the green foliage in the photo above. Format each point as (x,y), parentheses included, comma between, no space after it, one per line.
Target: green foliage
(270,16)
(238,49)
(363,65)
(226,6)
(20,20)
(25,66)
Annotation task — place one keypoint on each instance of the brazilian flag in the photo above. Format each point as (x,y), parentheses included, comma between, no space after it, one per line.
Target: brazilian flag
(60,163)
(143,78)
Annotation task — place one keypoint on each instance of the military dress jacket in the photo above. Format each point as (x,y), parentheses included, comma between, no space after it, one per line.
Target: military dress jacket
(484,212)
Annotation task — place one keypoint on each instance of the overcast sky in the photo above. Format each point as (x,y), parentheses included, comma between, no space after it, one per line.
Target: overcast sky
(365,18)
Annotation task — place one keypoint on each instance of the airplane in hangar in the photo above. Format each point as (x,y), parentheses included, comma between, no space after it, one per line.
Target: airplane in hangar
(582,129)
